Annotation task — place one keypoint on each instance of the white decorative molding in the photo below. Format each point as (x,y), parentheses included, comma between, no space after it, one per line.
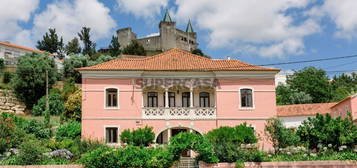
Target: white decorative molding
(179,113)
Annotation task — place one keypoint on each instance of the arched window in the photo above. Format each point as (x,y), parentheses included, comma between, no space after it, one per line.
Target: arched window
(246,97)
(152,99)
(111,97)
(204,99)
(185,99)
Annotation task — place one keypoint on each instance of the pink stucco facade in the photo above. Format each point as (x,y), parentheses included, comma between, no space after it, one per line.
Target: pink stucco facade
(131,101)
(348,105)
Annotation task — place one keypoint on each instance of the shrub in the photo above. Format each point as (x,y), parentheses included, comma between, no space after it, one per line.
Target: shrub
(71,130)
(226,141)
(280,136)
(30,153)
(189,141)
(70,64)
(7,77)
(73,106)
(37,128)
(324,130)
(2,63)
(139,137)
(55,102)
(10,134)
(69,88)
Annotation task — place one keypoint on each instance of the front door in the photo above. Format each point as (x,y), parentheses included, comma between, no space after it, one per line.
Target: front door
(176,131)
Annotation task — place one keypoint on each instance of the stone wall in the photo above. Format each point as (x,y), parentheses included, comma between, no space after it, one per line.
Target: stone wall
(9,103)
(298,164)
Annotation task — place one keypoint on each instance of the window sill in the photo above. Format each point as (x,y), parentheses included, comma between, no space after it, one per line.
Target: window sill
(247,108)
(111,108)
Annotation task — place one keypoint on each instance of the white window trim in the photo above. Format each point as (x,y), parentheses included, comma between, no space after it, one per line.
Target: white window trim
(240,100)
(105,136)
(105,98)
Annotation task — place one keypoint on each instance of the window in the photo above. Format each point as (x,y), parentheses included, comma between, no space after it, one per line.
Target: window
(204,99)
(186,99)
(111,135)
(112,98)
(171,99)
(152,99)
(246,96)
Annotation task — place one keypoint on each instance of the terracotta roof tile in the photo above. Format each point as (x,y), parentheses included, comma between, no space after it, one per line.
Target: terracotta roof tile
(20,47)
(304,109)
(175,60)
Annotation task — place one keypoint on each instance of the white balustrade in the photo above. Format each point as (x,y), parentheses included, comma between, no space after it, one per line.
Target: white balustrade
(179,112)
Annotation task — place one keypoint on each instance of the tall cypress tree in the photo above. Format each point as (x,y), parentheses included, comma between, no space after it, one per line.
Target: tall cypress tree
(114,47)
(88,45)
(50,42)
(73,46)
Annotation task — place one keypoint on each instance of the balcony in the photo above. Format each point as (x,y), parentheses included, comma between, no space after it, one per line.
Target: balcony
(179,113)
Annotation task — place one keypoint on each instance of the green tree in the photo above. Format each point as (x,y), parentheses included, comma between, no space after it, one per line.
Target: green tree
(343,86)
(280,136)
(50,42)
(134,48)
(2,64)
(70,64)
(285,96)
(88,44)
(114,47)
(312,81)
(55,101)
(29,81)
(73,106)
(73,47)
(199,52)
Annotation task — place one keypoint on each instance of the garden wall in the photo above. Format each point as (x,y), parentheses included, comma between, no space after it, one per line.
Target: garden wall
(45,166)
(299,164)
(9,103)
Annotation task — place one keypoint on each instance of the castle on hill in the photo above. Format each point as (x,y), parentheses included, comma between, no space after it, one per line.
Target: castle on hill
(169,37)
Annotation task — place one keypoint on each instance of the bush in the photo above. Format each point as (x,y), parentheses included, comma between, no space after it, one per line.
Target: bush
(280,136)
(324,130)
(73,106)
(69,88)
(189,141)
(55,102)
(37,128)
(7,77)
(30,153)
(139,137)
(2,63)
(71,130)
(130,156)
(10,134)
(70,64)
(227,140)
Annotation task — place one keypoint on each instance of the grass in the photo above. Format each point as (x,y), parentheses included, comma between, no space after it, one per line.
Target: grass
(55,120)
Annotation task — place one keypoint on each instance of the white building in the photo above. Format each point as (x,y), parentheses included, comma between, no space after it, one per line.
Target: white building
(280,78)
(11,52)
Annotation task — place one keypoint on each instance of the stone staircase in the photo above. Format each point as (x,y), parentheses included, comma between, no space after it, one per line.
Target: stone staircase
(187,162)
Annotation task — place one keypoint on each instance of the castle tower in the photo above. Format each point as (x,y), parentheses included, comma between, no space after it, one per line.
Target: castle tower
(167,32)
(125,36)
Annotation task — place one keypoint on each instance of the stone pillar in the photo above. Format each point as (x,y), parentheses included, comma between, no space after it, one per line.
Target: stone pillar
(168,135)
(191,97)
(166,97)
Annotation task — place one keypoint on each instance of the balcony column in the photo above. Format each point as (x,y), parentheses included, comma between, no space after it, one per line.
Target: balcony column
(168,135)
(166,97)
(191,97)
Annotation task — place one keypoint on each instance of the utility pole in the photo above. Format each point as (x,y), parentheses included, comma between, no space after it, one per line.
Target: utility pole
(47,111)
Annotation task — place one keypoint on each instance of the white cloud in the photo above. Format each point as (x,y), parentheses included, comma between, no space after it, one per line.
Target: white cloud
(153,34)
(142,8)
(263,26)
(68,17)
(12,12)
(343,14)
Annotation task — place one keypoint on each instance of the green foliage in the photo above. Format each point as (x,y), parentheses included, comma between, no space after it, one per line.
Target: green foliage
(130,156)
(100,59)
(50,42)
(139,137)
(324,130)
(69,130)
(7,133)
(29,81)
(285,96)
(73,106)
(7,77)
(73,47)
(70,64)
(69,88)
(88,44)
(30,153)
(2,64)
(134,48)
(114,47)
(189,141)
(37,128)
(55,101)
(343,86)
(226,141)
(313,81)
(280,136)
(199,52)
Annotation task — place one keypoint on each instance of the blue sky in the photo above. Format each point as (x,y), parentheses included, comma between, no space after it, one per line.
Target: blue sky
(258,32)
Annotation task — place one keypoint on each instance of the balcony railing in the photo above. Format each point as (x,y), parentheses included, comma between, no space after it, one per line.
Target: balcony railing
(179,112)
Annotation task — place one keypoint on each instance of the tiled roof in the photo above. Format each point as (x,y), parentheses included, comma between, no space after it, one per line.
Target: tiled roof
(20,47)
(175,60)
(304,109)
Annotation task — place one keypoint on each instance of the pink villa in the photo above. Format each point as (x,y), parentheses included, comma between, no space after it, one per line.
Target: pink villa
(172,92)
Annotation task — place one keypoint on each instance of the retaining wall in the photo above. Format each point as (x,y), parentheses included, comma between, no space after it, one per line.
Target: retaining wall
(9,103)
